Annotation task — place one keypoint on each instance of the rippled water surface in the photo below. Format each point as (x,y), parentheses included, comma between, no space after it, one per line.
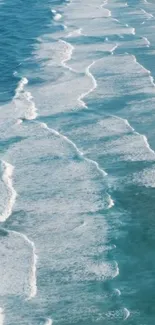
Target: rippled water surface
(77,162)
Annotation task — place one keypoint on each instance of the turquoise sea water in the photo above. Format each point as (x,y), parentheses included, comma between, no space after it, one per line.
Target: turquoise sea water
(77,162)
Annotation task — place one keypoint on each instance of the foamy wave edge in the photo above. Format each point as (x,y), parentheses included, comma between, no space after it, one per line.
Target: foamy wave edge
(81,155)
(12,194)
(21,93)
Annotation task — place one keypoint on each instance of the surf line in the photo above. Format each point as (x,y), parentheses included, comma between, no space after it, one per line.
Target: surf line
(32,277)
(81,155)
(20,94)
(12,194)
(70,49)
(143,136)
(94,82)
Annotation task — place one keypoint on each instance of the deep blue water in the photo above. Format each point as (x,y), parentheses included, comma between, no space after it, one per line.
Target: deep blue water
(77,151)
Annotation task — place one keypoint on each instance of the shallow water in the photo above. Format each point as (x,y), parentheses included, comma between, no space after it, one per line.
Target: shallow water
(77,152)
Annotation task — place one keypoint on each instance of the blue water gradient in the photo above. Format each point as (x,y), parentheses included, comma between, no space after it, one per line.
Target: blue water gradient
(77,151)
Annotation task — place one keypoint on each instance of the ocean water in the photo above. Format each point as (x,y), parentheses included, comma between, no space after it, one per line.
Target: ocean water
(77,162)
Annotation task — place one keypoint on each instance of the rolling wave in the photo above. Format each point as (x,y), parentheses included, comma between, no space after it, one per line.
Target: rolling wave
(94,82)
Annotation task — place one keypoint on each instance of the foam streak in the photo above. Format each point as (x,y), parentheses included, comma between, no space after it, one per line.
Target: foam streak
(7,179)
(126,313)
(68,55)
(32,278)
(21,97)
(89,74)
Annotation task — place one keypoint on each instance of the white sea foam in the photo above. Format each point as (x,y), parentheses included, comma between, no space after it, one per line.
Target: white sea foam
(89,74)
(147,41)
(118,292)
(30,113)
(20,88)
(126,313)
(147,71)
(65,26)
(113,49)
(19,121)
(68,50)
(7,179)
(79,152)
(116,20)
(1,316)
(133,31)
(106,10)
(116,270)
(48,321)
(24,101)
(139,134)
(135,61)
(75,33)
(111,202)
(149,16)
(57,17)
(93,162)
(146,2)
(152,81)
(32,277)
